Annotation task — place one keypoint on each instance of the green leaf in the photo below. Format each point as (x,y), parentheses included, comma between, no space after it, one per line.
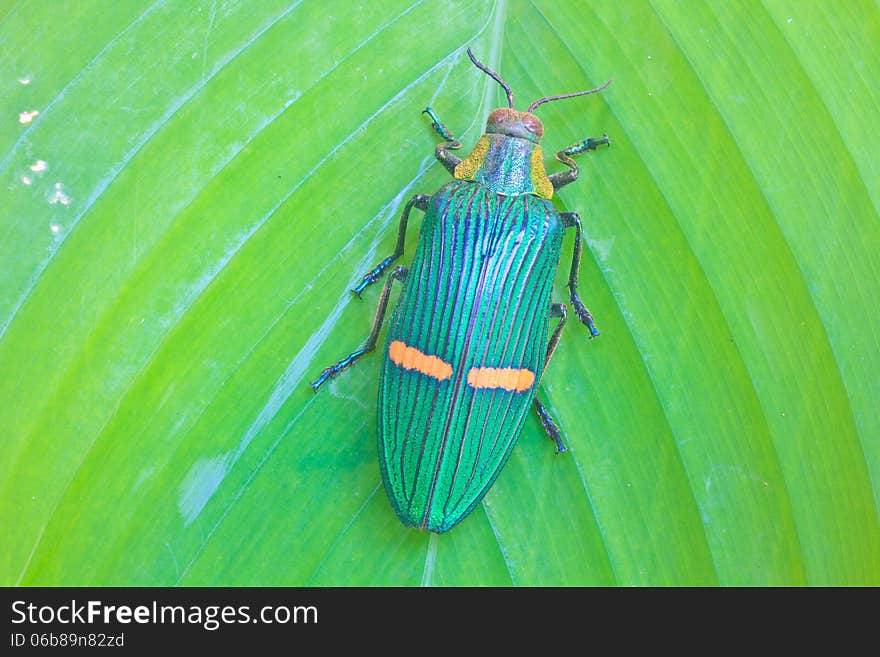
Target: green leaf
(204,181)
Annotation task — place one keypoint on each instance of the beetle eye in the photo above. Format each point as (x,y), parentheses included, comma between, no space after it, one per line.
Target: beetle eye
(533,125)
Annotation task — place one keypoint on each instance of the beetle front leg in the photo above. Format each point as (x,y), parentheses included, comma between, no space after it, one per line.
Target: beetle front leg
(573,219)
(449,160)
(564,177)
(397,274)
(550,426)
(421,202)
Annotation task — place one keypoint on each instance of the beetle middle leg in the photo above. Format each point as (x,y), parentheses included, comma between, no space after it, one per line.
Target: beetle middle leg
(550,426)
(397,274)
(569,220)
(421,202)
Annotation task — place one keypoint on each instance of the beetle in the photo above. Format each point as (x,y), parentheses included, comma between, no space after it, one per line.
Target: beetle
(468,340)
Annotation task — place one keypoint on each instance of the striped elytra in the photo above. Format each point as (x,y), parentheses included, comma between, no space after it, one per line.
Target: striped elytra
(475,300)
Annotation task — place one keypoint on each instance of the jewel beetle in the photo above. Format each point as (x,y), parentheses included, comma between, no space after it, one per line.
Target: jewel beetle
(468,340)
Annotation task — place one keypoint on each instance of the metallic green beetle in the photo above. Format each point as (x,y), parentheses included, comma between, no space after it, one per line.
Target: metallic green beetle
(468,340)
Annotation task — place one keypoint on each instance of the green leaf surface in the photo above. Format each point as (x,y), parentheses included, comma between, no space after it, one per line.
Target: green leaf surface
(203,182)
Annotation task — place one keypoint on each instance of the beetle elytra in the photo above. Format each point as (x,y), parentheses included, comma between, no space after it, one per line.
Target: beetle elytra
(468,340)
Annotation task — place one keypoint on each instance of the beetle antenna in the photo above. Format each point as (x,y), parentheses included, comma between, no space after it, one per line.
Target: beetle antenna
(547,99)
(492,74)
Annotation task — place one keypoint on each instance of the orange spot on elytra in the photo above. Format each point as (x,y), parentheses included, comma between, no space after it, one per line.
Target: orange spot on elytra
(410,358)
(509,378)
(525,380)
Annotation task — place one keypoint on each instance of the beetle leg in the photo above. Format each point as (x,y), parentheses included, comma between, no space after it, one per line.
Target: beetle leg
(449,160)
(550,426)
(397,274)
(570,219)
(421,202)
(562,178)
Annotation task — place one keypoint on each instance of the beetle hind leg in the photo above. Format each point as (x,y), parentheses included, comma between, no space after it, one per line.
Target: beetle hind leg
(397,274)
(550,426)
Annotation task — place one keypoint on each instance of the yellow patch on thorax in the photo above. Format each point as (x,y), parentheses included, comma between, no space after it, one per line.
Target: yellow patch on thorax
(410,358)
(468,167)
(540,182)
(508,378)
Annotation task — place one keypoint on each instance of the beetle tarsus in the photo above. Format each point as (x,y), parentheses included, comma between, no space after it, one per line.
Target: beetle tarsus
(447,159)
(438,126)
(373,275)
(317,383)
(336,368)
(563,178)
(590,144)
(584,315)
(365,281)
(586,318)
(550,427)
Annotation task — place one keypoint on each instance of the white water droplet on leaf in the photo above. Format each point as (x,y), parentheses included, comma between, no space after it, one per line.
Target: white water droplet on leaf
(26,117)
(59,196)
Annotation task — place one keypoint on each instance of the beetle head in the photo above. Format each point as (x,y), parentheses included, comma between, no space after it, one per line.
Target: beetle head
(510,122)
